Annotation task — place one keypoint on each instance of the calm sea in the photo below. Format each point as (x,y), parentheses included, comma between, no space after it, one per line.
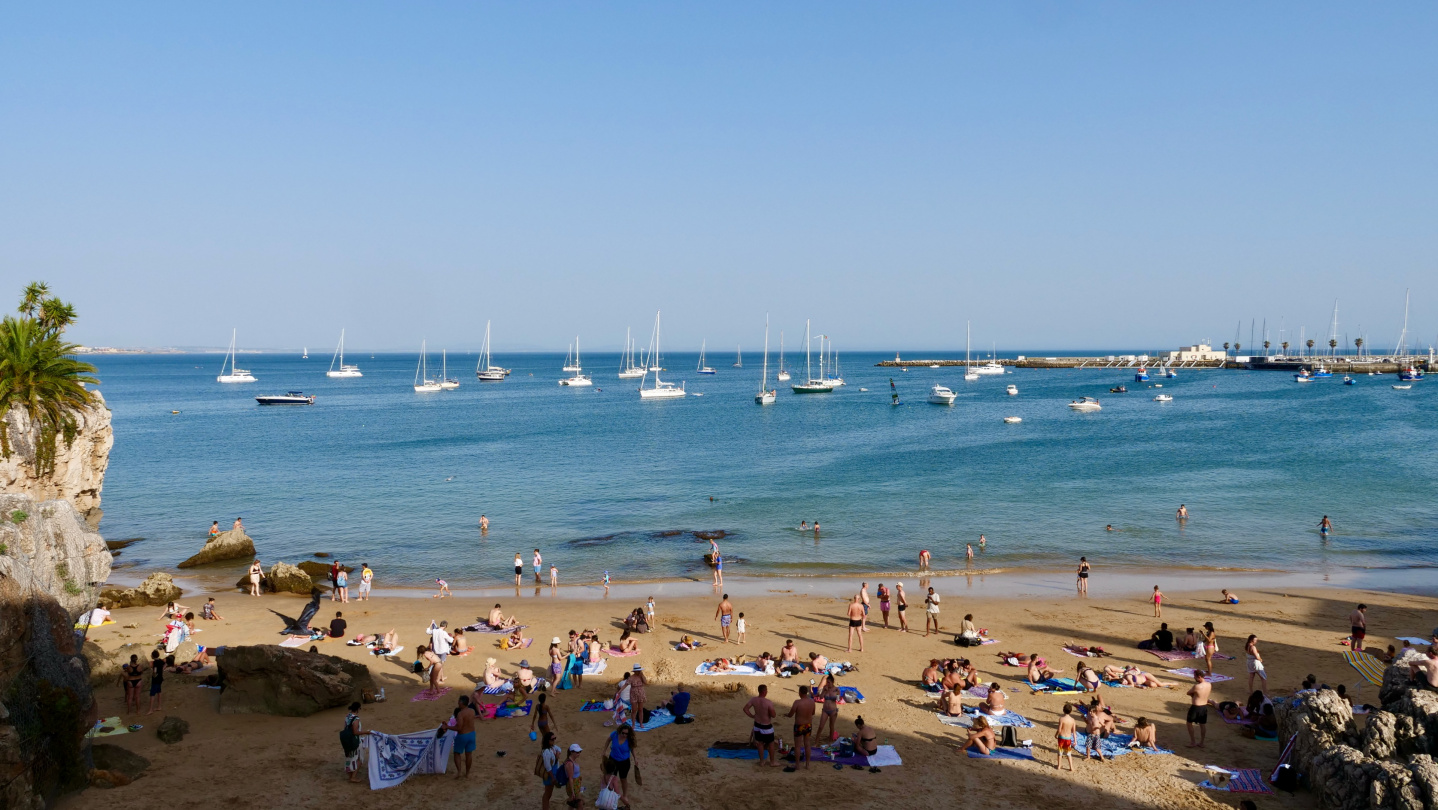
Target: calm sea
(602,481)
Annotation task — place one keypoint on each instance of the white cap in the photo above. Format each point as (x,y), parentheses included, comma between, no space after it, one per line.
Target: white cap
(574,748)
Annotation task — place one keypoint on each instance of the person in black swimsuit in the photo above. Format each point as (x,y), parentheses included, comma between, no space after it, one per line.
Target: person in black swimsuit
(1083,576)
(866,739)
(131,675)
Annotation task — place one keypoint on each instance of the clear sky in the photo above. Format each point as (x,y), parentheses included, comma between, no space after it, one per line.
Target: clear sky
(1064,175)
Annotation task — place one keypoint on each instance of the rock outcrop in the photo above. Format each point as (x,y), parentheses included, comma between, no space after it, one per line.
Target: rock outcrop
(268,679)
(231,545)
(320,572)
(172,730)
(283,578)
(79,472)
(158,589)
(115,766)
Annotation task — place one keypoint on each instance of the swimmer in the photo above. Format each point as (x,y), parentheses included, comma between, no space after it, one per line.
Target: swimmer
(443,589)
(1108,528)
(969,550)
(1182,512)
(803,525)
(816,528)
(1325,526)
(983,542)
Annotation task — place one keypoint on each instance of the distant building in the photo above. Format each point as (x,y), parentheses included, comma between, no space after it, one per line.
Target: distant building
(1199,352)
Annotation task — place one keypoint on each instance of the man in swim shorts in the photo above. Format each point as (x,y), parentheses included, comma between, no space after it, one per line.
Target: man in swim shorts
(1358,622)
(864,598)
(465,742)
(725,614)
(803,713)
(538,567)
(1198,709)
(1065,737)
(856,624)
(761,711)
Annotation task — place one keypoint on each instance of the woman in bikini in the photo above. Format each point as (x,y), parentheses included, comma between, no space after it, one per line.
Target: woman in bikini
(830,715)
(543,717)
(627,644)
(1083,571)
(257,573)
(492,675)
(131,675)
(1210,644)
(981,737)
(866,741)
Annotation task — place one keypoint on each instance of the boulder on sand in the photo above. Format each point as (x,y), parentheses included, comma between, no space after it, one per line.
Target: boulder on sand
(266,679)
(172,729)
(231,545)
(320,571)
(281,578)
(158,589)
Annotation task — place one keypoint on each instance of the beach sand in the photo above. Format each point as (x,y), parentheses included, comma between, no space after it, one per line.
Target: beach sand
(254,759)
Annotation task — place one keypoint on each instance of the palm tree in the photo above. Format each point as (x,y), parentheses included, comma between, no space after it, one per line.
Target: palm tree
(1358,344)
(38,373)
(1284,344)
(1310,344)
(1236,347)
(1266,345)
(1225,347)
(1332,346)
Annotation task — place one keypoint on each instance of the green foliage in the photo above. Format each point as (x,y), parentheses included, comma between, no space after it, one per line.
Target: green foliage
(38,373)
(19,516)
(62,570)
(72,589)
(4,549)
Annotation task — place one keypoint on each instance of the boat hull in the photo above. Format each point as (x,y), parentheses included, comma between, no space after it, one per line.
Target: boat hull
(343,374)
(236,378)
(661,393)
(577,382)
(766,398)
(812,388)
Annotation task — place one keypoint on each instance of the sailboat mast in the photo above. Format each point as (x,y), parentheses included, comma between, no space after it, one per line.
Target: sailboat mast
(808,369)
(764,380)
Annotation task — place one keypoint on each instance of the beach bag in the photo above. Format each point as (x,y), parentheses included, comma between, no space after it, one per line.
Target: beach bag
(418,667)
(348,738)
(607,800)
(1008,736)
(962,641)
(1146,644)
(1286,780)
(560,776)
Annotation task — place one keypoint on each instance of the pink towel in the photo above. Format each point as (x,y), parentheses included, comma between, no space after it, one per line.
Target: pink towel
(615,653)
(428,695)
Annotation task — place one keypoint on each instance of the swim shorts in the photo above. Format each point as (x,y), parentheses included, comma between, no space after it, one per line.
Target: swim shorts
(763,734)
(464,743)
(801,729)
(856,622)
(902,607)
(884,606)
(1066,744)
(866,610)
(1359,633)
(621,767)
(726,619)
(1198,714)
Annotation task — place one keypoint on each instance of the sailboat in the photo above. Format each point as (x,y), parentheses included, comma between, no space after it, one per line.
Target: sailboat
(783,375)
(969,374)
(305,353)
(703,369)
(738,357)
(446,382)
(627,369)
(811,384)
(836,380)
(578,380)
(766,395)
(422,383)
(236,375)
(991,367)
(571,359)
(486,370)
(339,360)
(661,389)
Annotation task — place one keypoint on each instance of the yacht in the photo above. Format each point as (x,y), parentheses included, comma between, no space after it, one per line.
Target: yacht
(422,383)
(579,380)
(811,384)
(571,359)
(941,395)
(989,368)
(703,369)
(766,395)
(1141,376)
(1013,390)
(1085,404)
(1163,398)
(661,389)
(446,382)
(783,375)
(486,370)
(236,375)
(627,369)
(291,398)
(738,357)
(338,369)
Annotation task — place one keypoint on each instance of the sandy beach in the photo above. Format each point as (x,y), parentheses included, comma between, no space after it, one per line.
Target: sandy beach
(249,759)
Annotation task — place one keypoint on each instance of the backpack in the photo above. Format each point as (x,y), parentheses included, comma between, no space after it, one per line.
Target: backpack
(348,738)
(561,774)
(418,667)
(1008,736)
(962,641)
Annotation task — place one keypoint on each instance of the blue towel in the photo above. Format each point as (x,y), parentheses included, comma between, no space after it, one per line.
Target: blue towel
(1115,746)
(728,753)
(1056,685)
(506,710)
(1004,753)
(850,695)
(593,706)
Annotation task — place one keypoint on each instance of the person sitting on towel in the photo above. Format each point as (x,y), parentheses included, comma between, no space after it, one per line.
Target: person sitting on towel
(678,704)
(492,676)
(1145,734)
(970,673)
(817,662)
(526,675)
(628,644)
(1189,642)
(930,676)
(1039,670)
(953,676)
(950,703)
(498,620)
(993,705)
(1162,639)
(981,737)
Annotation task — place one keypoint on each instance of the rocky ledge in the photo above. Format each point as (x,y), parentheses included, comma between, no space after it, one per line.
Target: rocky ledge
(231,545)
(266,679)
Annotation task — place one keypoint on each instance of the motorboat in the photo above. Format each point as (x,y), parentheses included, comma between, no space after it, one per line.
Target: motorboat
(1163,398)
(933,365)
(1410,374)
(1085,404)
(338,369)
(422,382)
(941,395)
(485,370)
(1303,376)
(1347,380)
(703,369)
(812,384)
(1321,371)
(1012,390)
(1401,387)
(290,398)
(1119,389)
(661,389)
(1141,376)
(1012,420)
(236,375)
(1168,372)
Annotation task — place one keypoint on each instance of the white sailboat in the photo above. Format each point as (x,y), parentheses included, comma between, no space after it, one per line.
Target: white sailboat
(579,380)
(422,383)
(703,369)
(991,367)
(338,369)
(571,359)
(783,375)
(836,380)
(969,374)
(766,395)
(446,382)
(486,370)
(811,384)
(738,357)
(236,375)
(627,369)
(661,389)
(305,353)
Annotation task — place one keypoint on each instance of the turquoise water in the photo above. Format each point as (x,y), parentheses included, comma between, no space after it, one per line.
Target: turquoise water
(602,481)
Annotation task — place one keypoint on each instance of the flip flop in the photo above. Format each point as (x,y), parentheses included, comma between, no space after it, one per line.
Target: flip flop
(838,767)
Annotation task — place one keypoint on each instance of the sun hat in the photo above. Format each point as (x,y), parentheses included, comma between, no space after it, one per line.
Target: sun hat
(489,660)
(575,747)
(556,640)
(524,663)
(638,667)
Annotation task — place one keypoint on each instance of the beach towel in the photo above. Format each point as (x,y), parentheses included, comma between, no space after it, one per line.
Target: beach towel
(1081,652)
(1008,718)
(733,753)
(1182,655)
(1243,780)
(499,711)
(1369,667)
(1212,677)
(295,641)
(1237,721)
(614,652)
(742,669)
(988,641)
(593,706)
(886,755)
(596,669)
(1004,753)
(428,695)
(394,757)
(657,719)
(1057,686)
(981,692)
(109,727)
(1414,640)
(502,689)
(1115,746)
(503,644)
(483,627)
(848,694)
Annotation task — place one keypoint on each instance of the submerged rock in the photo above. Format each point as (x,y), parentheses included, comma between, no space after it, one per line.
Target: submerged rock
(267,679)
(231,545)
(158,589)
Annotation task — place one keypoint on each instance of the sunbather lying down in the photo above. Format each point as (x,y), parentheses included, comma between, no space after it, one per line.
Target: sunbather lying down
(1133,676)
(688,643)
(379,644)
(1014,659)
(722,664)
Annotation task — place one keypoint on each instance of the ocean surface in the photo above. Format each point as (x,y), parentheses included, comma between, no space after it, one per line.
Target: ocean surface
(601,481)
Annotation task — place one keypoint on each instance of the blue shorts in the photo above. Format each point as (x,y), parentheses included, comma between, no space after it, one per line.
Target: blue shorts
(724,620)
(464,743)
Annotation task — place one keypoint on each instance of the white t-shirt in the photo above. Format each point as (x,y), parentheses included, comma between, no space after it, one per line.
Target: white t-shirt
(442,641)
(551,758)
(741,625)
(932,600)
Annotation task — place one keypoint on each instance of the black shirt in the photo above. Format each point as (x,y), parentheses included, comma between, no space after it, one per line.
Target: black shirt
(1163,641)
(337,628)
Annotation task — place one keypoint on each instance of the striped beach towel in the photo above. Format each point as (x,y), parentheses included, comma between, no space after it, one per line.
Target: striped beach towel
(1369,667)
(1181,655)
(1248,780)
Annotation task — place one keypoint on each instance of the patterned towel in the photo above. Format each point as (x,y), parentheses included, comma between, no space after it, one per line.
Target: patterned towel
(428,695)
(613,652)
(502,689)
(483,627)
(1057,686)
(1182,655)
(1004,753)
(1009,718)
(492,711)
(1212,677)
(742,669)
(596,669)
(1369,667)
(593,706)
(658,718)
(1115,746)
(1243,780)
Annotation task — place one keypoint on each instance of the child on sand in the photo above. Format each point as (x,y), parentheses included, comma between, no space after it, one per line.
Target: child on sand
(1157,600)
(1229,598)
(443,589)
(741,628)
(208,611)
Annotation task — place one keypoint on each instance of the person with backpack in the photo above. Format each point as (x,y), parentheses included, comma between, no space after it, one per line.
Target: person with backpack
(350,741)
(567,777)
(546,766)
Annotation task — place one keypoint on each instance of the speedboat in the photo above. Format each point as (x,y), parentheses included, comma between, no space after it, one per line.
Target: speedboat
(1322,371)
(1141,376)
(290,398)
(1347,380)
(1163,398)
(1121,389)
(1410,374)
(1401,387)
(1012,420)
(1085,404)
(1013,390)
(941,395)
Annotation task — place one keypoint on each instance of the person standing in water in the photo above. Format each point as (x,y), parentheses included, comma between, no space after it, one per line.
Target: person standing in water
(983,542)
(1325,526)
(538,566)
(483,525)
(518,569)
(924,559)
(1182,512)
(1083,571)
(969,551)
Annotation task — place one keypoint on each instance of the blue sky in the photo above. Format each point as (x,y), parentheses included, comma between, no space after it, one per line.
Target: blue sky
(1107,175)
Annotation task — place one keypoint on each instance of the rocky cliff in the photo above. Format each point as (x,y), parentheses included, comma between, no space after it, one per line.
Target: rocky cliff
(79,468)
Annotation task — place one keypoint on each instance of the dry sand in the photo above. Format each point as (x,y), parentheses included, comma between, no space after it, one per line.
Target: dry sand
(251,760)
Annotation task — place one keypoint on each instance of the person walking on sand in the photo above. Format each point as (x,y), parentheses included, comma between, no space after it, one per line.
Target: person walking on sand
(1068,727)
(1083,571)
(464,742)
(802,711)
(1157,600)
(545,765)
(1198,709)
(931,612)
(1358,622)
(538,567)
(725,614)
(856,624)
(619,749)
(351,742)
(902,603)
(762,712)
(1255,663)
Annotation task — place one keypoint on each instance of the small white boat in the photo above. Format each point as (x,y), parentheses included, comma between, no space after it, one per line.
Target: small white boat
(1163,398)
(446,382)
(1401,387)
(422,383)
(338,369)
(1012,420)
(1085,404)
(305,355)
(738,357)
(783,375)
(236,375)
(941,395)
(766,395)
(627,369)
(486,370)
(661,389)
(703,369)
(291,398)
(579,380)
(934,365)
(1013,390)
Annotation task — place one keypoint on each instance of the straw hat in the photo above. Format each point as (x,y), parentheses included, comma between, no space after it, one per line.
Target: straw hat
(555,640)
